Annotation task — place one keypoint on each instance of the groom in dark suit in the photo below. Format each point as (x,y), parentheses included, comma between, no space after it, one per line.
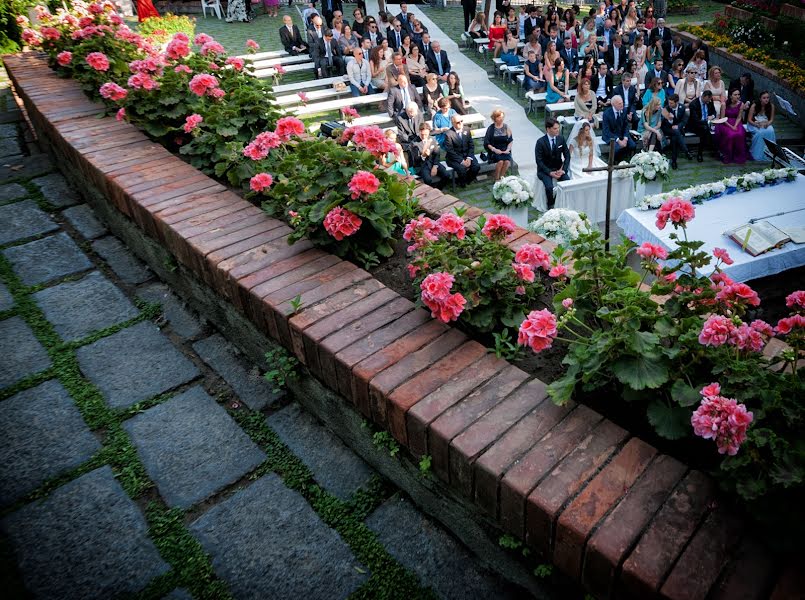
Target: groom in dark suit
(553,158)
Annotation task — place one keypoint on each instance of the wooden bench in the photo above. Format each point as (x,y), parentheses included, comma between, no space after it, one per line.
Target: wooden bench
(556,107)
(303,86)
(264,55)
(285,61)
(536,99)
(271,71)
(312,96)
(333,105)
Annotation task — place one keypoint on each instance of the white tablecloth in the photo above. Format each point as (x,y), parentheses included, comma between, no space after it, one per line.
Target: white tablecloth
(714,217)
(589,195)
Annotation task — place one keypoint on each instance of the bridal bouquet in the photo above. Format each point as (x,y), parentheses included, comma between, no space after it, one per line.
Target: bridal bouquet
(511,192)
(561,225)
(649,165)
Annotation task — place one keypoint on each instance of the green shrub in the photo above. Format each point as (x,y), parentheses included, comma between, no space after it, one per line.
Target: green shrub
(161,29)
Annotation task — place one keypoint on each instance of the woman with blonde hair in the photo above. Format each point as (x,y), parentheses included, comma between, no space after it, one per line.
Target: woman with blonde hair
(585,103)
(498,143)
(651,125)
(689,88)
(551,54)
(478,26)
(699,65)
(715,84)
(431,92)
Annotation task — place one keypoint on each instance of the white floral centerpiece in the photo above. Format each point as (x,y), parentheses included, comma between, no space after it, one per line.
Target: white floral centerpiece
(729,185)
(512,196)
(648,166)
(561,225)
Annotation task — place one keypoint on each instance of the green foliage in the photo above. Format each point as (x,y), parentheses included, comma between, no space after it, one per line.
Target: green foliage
(509,542)
(543,571)
(296,303)
(506,345)
(282,368)
(425,465)
(161,29)
(384,440)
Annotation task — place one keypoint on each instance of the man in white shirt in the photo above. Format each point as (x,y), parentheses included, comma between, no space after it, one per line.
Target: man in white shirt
(360,76)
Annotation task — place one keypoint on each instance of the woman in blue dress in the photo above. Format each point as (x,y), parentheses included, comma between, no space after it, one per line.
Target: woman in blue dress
(759,124)
(557,83)
(442,120)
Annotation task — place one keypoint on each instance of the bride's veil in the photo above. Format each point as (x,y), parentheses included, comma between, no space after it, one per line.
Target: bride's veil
(571,141)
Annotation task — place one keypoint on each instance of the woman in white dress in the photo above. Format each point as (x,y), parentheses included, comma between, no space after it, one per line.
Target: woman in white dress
(638,53)
(715,84)
(583,150)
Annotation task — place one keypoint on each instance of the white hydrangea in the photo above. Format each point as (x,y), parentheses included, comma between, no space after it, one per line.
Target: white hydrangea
(650,165)
(561,225)
(512,191)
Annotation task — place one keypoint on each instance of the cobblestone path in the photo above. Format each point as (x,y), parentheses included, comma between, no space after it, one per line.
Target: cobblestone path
(143,456)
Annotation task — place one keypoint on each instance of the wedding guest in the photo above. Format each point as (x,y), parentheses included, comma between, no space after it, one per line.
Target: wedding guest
(438,62)
(328,9)
(638,54)
(509,51)
(699,65)
(460,152)
(654,90)
(348,41)
(747,87)
(651,21)
(532,45)
(689,88)
(571,57)
(661,32)
(395,162)
(418,30)
(677,73)
(408,123)
(657,72)
(601,85)
(615,127)
(731,135)
(498,143)
(442,120)
(452,90)
(513,23)
(615,56)
(291,38)
(417,69)
(533,23)
(631,101)
(587,69)
(372,33)
(377,68)
(550,55)
(760,124)
(327,58)
(552,37)
(478,27)
(693,48)
(674,119)
(552,156)
(651,125)
(431,93)
(395,69)
(496,31)
(702,112)
(532,73)
(395,35)
(557,83)
(469,10)
(402,95)
(431,169)
(360,76)
(359,25)
(675,49)
(585,102)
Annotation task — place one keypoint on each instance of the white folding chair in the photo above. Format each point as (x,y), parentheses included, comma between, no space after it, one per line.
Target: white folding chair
(213,5)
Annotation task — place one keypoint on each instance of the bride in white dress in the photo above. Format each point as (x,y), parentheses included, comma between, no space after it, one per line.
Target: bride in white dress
(584,152)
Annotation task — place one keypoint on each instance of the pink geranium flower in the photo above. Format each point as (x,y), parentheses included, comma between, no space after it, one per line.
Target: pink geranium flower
(258,148)
(789,324)
(261,182)
(203,83)
(212,48)
(363,182)
(121,114)
(183,69)
(191,122)
(538,330)
(448,309)
(795,299)
(452,224)
(288,127)
(558,271)
(252,46)
(651,251)
(112,91)
(722,420)
(64,58)
(341,223)
(723,255)
(421,231)
(437,286)
(201,39)
(738,293)
(178,47)
(523,272)
(716,331)
(98,61)
(533,255)
(676,210)
(498,227)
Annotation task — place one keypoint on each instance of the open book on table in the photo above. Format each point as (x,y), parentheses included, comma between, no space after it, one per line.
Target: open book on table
(757,238)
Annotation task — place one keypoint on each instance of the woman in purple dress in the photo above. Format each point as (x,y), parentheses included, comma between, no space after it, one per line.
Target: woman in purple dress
(731,135)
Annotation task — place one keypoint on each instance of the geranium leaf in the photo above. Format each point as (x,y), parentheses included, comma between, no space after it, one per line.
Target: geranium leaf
(640,372)
(670,422)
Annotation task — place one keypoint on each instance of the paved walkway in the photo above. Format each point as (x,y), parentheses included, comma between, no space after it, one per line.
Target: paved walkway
(143,455)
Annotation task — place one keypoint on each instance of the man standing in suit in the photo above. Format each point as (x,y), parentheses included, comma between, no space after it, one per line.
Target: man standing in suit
(461,152)
(438,62)
(327,57)
(553,158)
(469,12)
(702,111)
(660,32)
(328,7)
(291,38)
(430,157)
(601,85)
(674,119)
(615,56)
(657,72)
(571,57)
(402,96)
(533,22)
(408,123)
(631,101)
(405,17)
(616,128)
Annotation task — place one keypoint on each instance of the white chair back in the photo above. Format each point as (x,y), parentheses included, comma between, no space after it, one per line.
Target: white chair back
(214,6)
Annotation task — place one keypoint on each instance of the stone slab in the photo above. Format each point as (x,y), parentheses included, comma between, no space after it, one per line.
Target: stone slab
(191,448)
(43,436)
(83,219)
(87,540)
(181,319)
(121,260)
(152,365)
(11,191)
(56,190)
(178,594)
(77,308)
(6,299)
(266,542)
(23,167)
(437,559)
(22,220)
(244,379)
(47,259)
(335,467)
(21,352)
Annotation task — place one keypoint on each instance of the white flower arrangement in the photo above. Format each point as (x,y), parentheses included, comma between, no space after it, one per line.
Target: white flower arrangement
(648,166)
(561,225)
(736,183)
(512,192)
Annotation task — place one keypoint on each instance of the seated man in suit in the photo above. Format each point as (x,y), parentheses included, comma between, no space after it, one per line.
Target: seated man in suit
(571,57)
(533,22)
(308,13)
(438,62)
(360,75)
(291,38)
(674,119)
(631,101)
(747,87)
(674,49)
(601,85)
(615,56)
(660,32)
(702,111)
(327,58)
(553,158)
(328,8)
(408,122)
(430,158)
(460,151)
(425,46)
(659,72)
(605,34)
(616,128)
(314,33)
(395,69)
(395,34)
(373,34)
(401,96)
(553,36)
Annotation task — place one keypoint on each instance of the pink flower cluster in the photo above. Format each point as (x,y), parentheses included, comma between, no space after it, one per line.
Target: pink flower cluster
(112,91)
(212,48)
(142,81)
(252,46)
(261,182)
(204,83)
(421,231)
(178,47)
(288,127)
(98,61)
(120,114)
(49,33)
(538,330)
(788,324)
(349,113)
(558,271)
(437,297)
(796,300)
(721,419)
(371,139)
(523,272)
(191,122)
(533,256)
(258,148)
(201,39)
(451,224)
(731,293)
(64,58)
(676,210)
(651,251)
(150,65)
(363,182)
(719,330)
(498,227)
(341,223)
(722,255)
(31,37)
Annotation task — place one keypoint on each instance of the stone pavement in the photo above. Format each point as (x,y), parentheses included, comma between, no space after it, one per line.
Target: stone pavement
(144,456)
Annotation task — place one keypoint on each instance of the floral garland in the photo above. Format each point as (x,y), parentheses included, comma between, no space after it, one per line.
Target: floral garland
(511,192)
(729,185)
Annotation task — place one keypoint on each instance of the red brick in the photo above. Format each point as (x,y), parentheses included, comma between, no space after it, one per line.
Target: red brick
(667,534)
(214,219)
(697,569)
(495,462)
(384,383)
(466,447)
(437,204)
(412,391)
(463,414)
(610,544)
(529,470)
(325,290)
(426,199)
(565,480)
(424,412)
(347,358)
(275,261)
(749,575)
